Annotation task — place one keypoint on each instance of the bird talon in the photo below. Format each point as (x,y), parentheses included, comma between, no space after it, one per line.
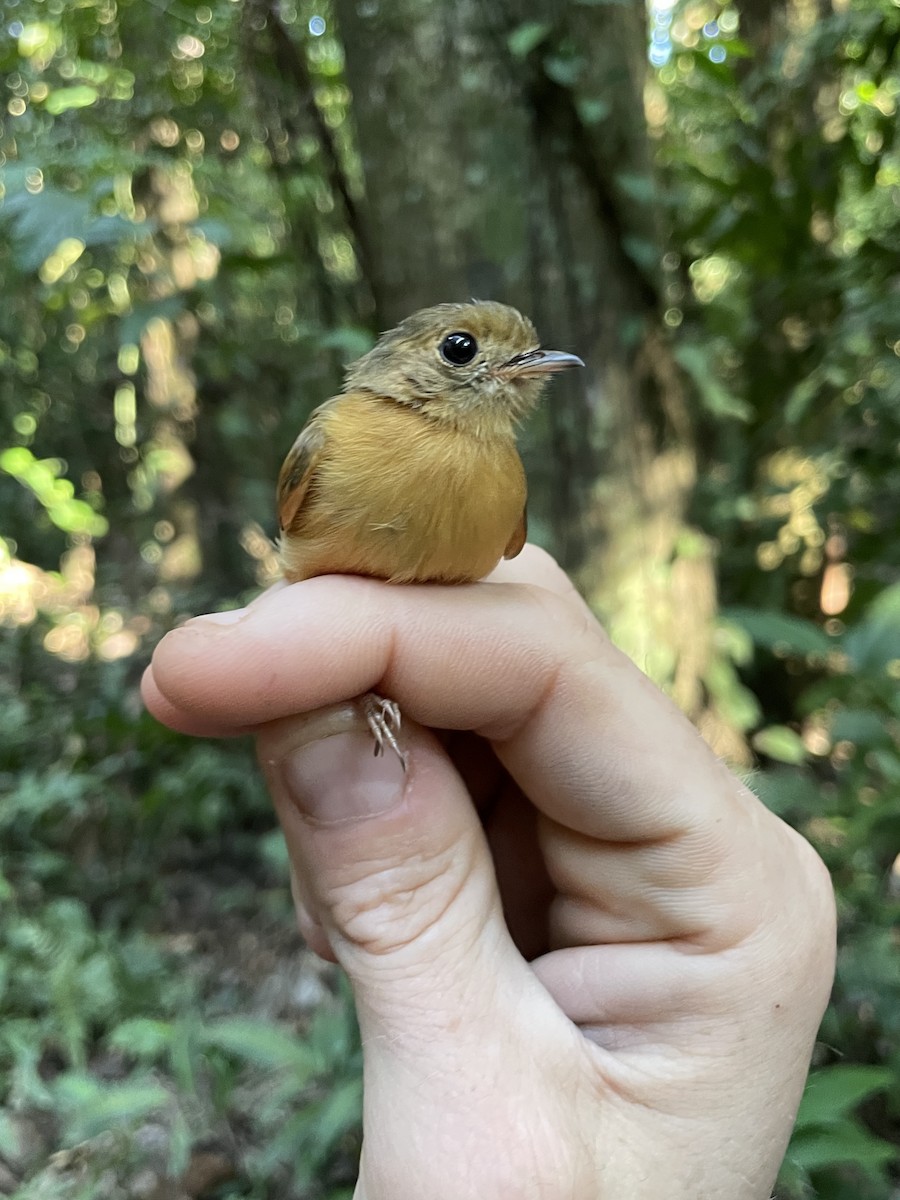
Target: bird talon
(384,720)
(393,718)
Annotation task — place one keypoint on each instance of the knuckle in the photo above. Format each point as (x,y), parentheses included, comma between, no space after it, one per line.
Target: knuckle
(394,905)
(817,888)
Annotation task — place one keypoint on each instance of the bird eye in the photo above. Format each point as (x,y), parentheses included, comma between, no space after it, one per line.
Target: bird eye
(458,349)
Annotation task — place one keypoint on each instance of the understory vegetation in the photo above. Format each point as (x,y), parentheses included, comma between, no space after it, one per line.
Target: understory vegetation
(192,244)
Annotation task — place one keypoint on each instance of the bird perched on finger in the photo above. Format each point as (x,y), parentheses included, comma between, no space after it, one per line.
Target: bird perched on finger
(412,474)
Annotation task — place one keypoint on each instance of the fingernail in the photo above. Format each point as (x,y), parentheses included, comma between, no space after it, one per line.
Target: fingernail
(339,778)
(231,616)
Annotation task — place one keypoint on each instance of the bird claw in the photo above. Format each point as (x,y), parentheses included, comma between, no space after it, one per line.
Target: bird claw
(384,720)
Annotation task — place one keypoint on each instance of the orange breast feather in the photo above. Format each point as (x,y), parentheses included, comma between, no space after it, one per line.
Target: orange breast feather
(394,494)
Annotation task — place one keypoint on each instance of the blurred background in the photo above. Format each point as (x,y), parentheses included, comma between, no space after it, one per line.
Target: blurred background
(207,210)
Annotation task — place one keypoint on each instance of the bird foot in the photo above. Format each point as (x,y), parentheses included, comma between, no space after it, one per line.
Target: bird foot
(384,719)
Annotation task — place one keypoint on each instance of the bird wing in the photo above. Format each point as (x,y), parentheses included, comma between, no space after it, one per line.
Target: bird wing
(517,541)
(298,468)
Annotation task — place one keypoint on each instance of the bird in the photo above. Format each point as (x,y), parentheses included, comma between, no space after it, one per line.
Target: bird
(412,474)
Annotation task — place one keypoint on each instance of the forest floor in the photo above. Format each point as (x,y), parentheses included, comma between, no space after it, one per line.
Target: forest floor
(234,940)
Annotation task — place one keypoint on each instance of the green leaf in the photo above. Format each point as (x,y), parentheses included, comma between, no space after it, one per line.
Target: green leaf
(781,743)
(350,341)
(141,1038)
(16,461)
(875,641)
(219,233)
(735,642)
(320,1127)
(262,1044)
(716,398)
(790,793)
(887,764)
(844,1143)
(134,323)
(779,632)
(41,222)
(718,73)
(637,186)
(801,397)
(340,1110)
(37,36)
(72,97)
(592,112)
(90,1107)
(886,606)
(833,1092)
(736,703)
(55,495)
(793,1182)
(873,644)
(563,69)
(527,37)
(861,726)
(644,253)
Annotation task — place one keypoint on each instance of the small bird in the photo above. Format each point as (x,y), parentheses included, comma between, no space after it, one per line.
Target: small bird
(412,474)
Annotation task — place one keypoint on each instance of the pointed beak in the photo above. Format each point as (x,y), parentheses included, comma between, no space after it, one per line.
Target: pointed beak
(539,362)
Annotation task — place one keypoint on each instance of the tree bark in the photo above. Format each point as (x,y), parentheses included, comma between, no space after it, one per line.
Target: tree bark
(506,156)
(494,169)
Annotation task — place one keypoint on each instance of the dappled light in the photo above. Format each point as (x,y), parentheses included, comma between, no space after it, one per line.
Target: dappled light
(206,212)
(798,484)
(78,628)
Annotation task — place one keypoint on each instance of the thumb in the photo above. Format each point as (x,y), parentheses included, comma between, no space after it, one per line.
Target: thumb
(395,867)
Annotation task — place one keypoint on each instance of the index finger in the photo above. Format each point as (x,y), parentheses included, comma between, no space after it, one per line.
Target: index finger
(532,566)
(590,740)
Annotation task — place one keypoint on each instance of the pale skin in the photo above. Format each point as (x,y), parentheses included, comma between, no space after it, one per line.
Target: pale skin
(588,963)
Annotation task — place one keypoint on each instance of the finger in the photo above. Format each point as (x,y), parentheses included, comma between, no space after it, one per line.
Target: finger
(536,567)
(314,935)
(182,720)
(595,745)
(525,885)
(395,866)
(311,929)
(533,566)
(592,743)
(188,722)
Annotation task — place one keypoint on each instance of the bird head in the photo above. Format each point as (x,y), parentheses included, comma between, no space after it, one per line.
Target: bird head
(477,366)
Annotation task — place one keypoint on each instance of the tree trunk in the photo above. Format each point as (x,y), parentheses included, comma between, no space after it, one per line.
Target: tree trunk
(506,156)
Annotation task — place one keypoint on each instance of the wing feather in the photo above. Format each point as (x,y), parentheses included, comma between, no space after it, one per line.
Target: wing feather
(298,469)
(517,541)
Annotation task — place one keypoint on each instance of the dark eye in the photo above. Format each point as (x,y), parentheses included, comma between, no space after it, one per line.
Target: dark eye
(458,349)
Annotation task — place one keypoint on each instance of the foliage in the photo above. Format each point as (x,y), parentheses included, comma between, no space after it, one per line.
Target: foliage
(182,280)
(785,190)
(100,1025)
(827,1133)
(840,785)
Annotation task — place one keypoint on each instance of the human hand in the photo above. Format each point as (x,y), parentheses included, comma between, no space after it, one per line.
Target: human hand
(680,937)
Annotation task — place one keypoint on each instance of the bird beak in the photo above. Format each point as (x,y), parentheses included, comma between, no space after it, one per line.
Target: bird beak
(539,362)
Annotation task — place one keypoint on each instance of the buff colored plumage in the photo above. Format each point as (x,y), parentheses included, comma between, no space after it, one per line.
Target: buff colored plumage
(412,473)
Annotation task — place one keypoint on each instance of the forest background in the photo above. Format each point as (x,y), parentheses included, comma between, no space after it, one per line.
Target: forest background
(208,209)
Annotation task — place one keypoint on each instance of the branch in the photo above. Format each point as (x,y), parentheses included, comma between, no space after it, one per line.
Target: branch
(291,65)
